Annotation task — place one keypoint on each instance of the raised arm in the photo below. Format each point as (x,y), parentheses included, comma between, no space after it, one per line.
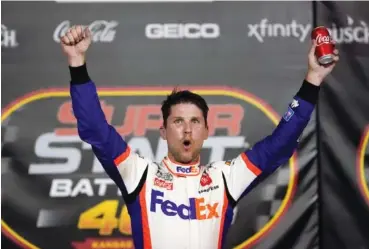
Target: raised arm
(254,165)
(122,165)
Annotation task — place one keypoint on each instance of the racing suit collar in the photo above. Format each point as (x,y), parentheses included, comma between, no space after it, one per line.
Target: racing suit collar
(182,170)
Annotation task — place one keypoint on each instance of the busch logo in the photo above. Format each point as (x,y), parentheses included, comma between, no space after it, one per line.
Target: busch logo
(264,30)
(163,184)
(350,33)
(102,31)
(196,210)
(320,39)
(8,37)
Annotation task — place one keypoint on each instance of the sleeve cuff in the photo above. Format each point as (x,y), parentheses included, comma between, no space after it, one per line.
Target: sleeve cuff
(79,75)
(309,92)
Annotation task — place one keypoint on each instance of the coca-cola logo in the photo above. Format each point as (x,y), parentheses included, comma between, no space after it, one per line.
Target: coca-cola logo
(101,30)
(322,39)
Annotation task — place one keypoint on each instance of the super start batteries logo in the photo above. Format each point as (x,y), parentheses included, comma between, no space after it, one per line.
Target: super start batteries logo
(53,183)
(362,165)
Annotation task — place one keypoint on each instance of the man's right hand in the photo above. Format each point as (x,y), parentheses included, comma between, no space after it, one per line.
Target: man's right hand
(75,43)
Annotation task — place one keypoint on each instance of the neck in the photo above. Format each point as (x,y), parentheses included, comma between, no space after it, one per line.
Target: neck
(191,162)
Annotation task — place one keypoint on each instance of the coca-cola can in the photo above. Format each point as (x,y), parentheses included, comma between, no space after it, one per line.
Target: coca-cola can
(324,46)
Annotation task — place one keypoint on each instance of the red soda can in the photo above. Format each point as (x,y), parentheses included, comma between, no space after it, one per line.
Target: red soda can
(324,46)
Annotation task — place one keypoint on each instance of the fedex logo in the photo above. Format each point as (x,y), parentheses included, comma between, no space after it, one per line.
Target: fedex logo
(186,170)
(196,210)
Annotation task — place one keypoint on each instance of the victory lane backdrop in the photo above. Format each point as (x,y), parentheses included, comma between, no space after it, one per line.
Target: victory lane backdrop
(247,59)
(132,57)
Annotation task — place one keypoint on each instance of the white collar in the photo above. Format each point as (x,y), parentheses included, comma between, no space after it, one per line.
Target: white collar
(182,170)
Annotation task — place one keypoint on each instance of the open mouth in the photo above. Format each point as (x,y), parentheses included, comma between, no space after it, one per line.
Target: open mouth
(187,144)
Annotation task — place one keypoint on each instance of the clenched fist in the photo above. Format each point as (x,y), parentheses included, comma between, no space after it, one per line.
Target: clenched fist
(75,43)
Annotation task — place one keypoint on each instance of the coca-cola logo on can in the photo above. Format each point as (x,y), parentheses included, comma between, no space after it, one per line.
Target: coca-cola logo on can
(101,30)
(322,39)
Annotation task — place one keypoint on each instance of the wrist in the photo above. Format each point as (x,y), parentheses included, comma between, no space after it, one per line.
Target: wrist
(314,78)
(76,61)
(79,74)
(309,92)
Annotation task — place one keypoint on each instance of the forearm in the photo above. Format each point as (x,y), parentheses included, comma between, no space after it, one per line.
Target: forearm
(91,122)
(277,148)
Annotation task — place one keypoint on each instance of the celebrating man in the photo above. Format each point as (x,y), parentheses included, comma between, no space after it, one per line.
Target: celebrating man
(167,209)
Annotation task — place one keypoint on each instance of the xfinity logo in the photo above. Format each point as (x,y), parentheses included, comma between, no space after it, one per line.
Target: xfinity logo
(182,31)
(264,29)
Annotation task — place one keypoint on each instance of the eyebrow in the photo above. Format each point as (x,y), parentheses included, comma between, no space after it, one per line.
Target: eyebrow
(191,118)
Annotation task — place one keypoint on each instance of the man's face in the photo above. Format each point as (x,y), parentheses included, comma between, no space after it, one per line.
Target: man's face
(185,132)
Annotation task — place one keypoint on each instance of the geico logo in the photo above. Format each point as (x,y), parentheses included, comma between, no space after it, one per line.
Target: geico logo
(197,210)
(181,31)
(187,169)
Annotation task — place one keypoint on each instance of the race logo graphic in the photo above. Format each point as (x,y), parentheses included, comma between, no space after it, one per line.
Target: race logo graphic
(53,183)
(101,30)
(362,165)
(8,37)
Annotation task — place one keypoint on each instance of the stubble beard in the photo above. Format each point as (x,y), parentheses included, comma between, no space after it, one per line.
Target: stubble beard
(186,159)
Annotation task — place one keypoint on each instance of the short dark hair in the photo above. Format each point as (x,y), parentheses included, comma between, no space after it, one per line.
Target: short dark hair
(181,97)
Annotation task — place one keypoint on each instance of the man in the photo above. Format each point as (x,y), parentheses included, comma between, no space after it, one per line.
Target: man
(178,203)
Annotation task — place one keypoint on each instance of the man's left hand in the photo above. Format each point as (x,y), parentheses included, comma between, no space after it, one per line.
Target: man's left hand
(317,72)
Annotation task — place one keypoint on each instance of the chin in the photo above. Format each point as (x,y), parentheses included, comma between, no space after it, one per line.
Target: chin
(187,159)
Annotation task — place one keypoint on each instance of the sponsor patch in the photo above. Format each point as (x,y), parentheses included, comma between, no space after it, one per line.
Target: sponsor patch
(288,115)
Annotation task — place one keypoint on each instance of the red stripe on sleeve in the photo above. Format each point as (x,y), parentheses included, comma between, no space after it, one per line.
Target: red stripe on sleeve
(254,169)
(122,156)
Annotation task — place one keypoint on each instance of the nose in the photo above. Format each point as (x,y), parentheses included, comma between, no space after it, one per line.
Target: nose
(187,128)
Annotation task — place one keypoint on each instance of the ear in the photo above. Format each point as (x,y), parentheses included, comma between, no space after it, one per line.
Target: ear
(206,133)
(163,133)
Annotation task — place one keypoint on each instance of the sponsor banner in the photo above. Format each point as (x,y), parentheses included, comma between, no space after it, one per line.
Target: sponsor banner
(351,30)
(101,30)
(182,31)
(343,130)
